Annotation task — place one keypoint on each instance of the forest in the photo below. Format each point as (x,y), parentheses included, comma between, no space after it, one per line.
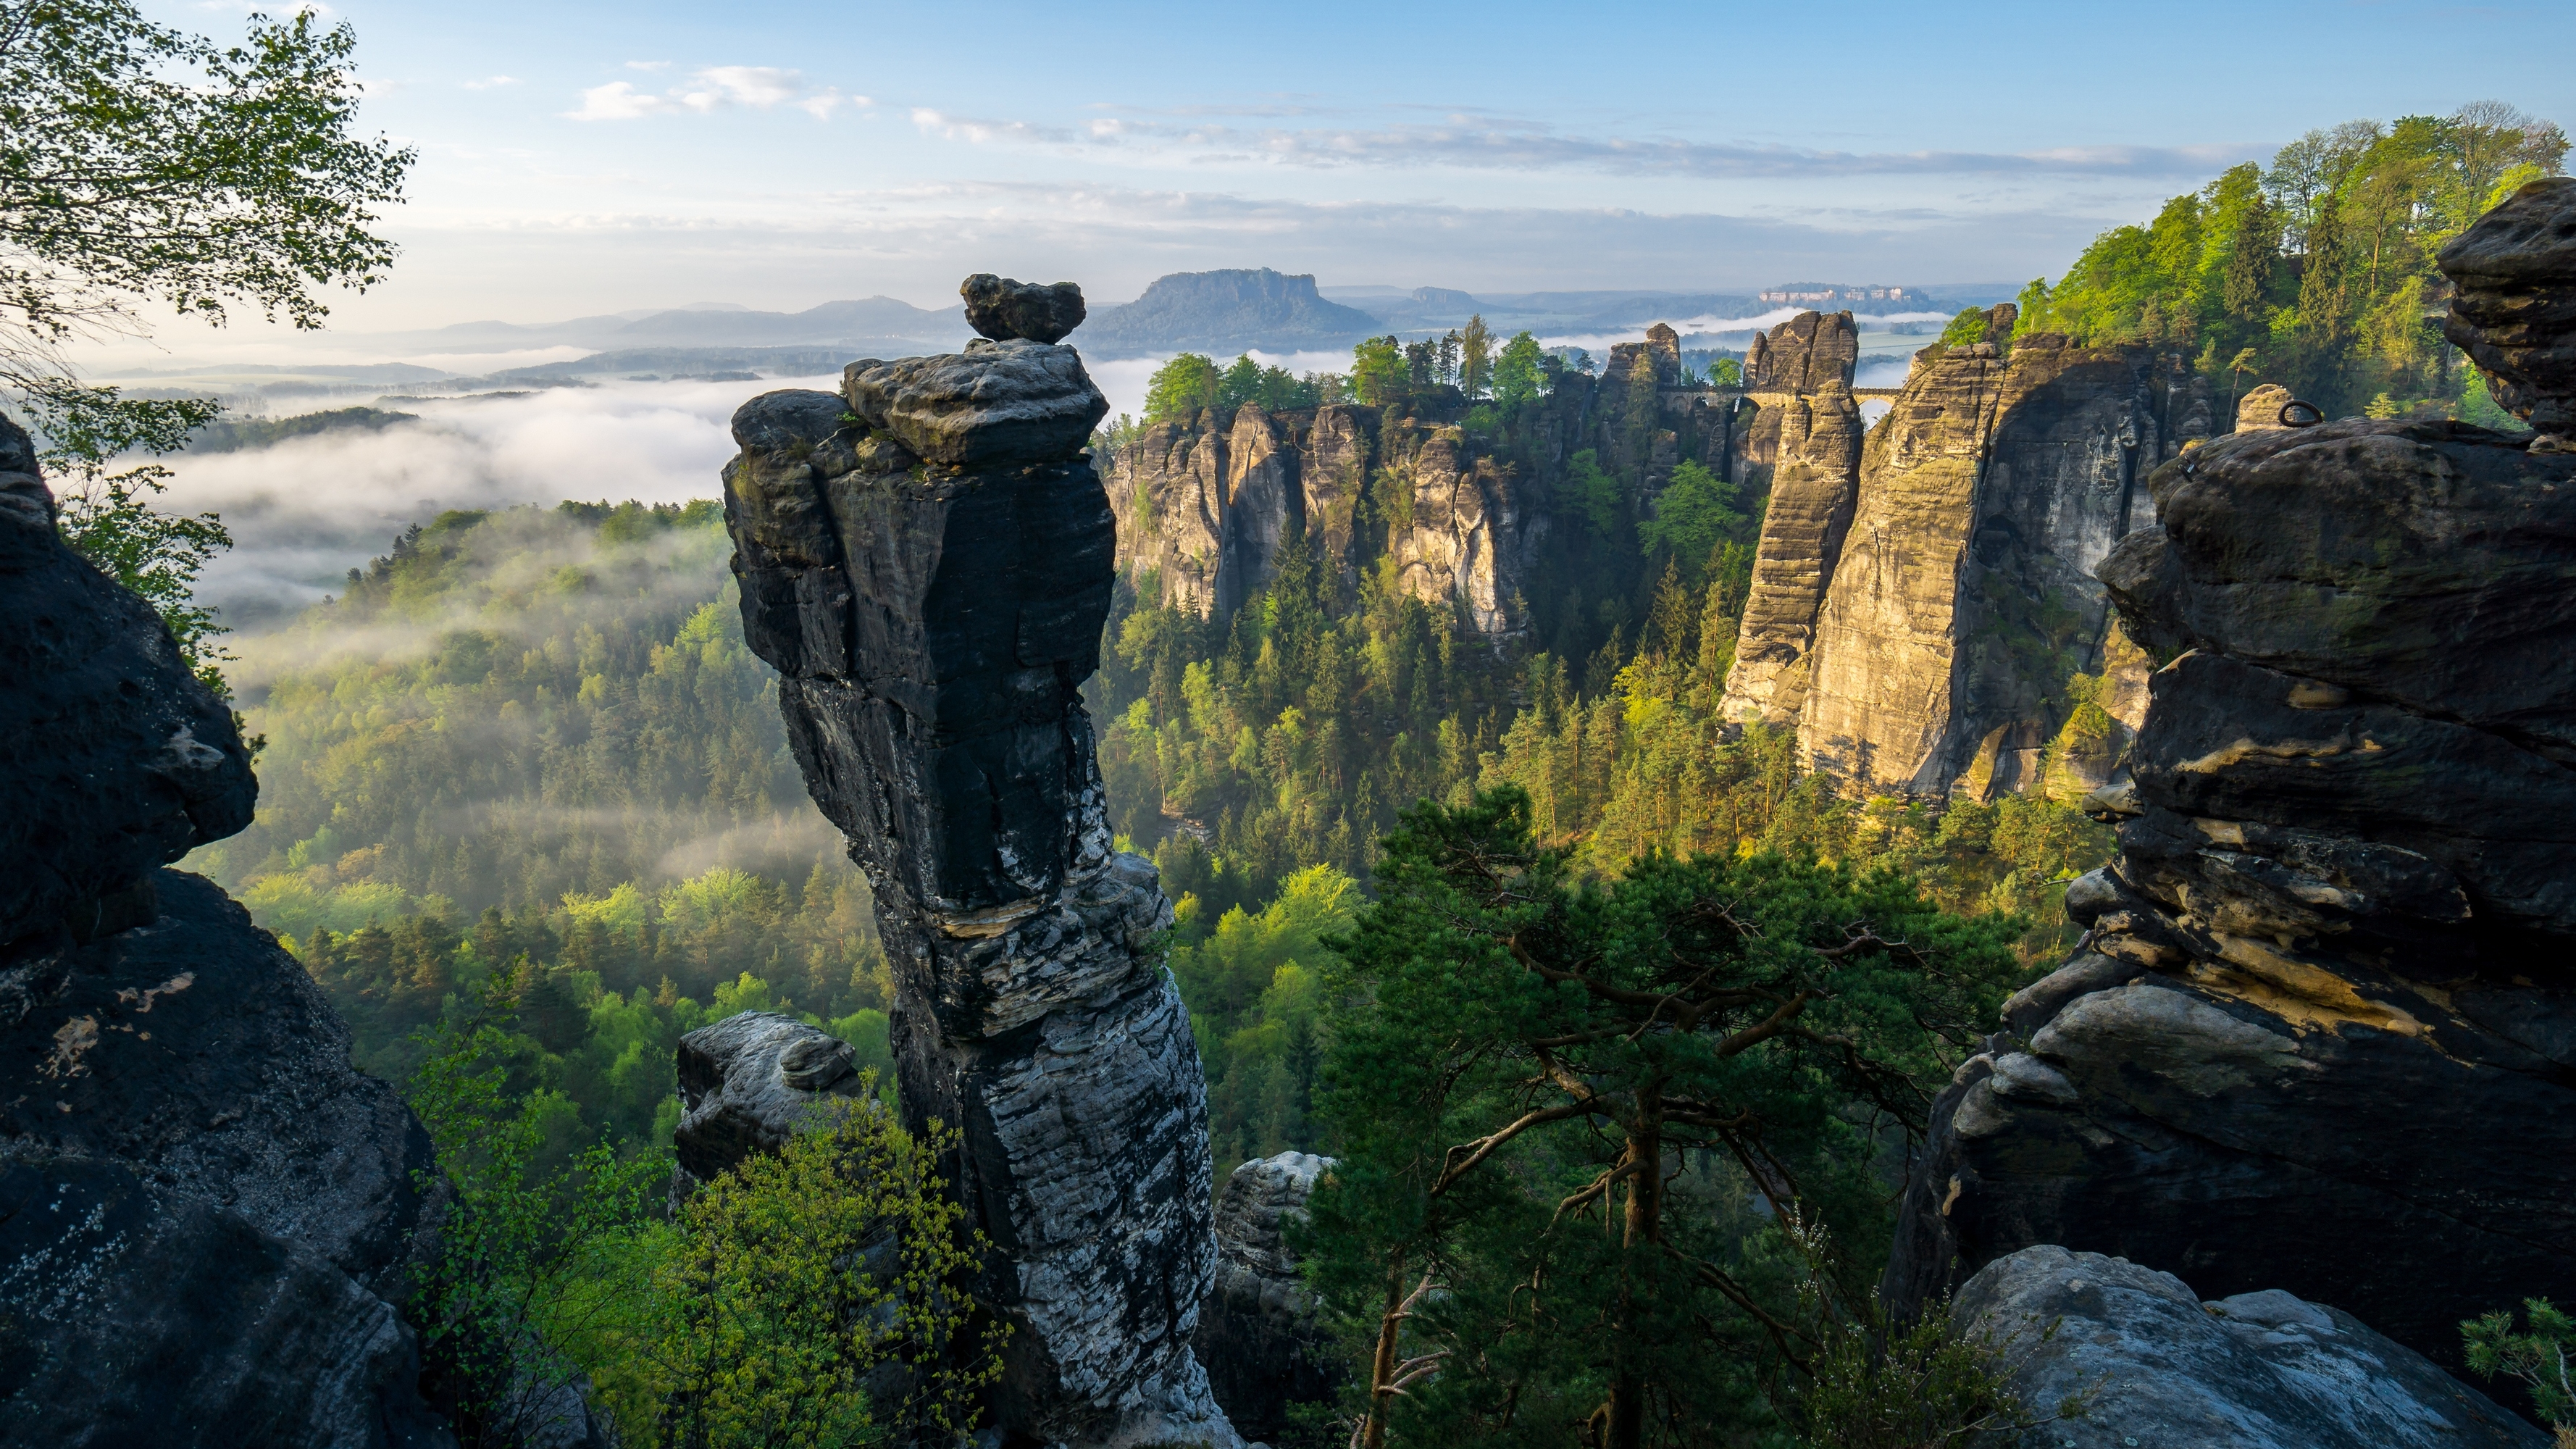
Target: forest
(528,810)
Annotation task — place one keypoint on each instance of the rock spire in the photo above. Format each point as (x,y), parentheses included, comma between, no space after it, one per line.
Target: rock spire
(926,559)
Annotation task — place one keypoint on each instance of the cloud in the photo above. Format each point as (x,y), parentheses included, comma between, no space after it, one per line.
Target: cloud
(714,88)
(1474,142)
(648,65)
(491,83)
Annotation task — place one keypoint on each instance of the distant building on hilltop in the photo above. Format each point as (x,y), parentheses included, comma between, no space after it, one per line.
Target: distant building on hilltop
(1810,293)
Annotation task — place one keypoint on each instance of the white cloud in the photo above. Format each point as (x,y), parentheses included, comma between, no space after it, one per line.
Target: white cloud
(1498,143)
(491,82)
(714,88)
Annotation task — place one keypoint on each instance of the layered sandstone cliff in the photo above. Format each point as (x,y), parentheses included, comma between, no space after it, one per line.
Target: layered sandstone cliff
(1807,432)
(1917,618)
(2322,1034)
(930,578)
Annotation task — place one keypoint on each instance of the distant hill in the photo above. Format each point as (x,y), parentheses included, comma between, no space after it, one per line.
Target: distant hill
(1225,312)
(867,322)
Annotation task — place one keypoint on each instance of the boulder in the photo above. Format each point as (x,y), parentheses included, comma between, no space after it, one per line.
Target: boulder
(2259,411)
(2514,310)
(995,404)
(747,1084)
(1258,1334)
(1002,309)
(2155,1365)
(933,623)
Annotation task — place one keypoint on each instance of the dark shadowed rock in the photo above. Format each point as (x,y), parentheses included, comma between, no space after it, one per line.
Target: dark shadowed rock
(2514,312)
(747,1084)
(1002,309)
(997,403)
(2259,1370)
(2322,1037)
(934,601)
(1258,1335)
(205,1212)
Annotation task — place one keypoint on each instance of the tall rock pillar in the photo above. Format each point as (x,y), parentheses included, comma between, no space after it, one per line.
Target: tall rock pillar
(927,560)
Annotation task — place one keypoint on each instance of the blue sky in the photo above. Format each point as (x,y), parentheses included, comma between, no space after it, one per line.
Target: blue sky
(579,158)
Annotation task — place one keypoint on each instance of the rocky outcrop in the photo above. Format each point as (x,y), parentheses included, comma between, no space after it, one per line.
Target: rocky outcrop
(1961,598)
(1808,353)
(1258,1335)
(2153,1364)
(1002,309)
(2322,1037)
(205,1213)
(933,623)
(1813,489)
(747,1084)
(1208,507)
(2514,312)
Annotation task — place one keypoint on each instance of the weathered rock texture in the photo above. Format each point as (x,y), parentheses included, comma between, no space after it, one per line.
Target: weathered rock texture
(933,623)
(2261,1370)
(2514,313)
(1207,507)
(1002,309)
(1258,1335)
(205,1213)
(1917,625)
(2323,1036)
(747,1084)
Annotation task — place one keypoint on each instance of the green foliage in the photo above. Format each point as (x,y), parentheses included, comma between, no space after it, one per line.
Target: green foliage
(1182,386)
(1571,1120)
(141,164)
(1475,373)
(1254,984)
(1378,372)
(1969,326)
(2539,1358)
(2318,265)
(108,519)
(1517,377)
(1694,515)
(752,1319)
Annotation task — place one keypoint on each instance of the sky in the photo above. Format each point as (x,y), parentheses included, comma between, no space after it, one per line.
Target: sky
(583,158)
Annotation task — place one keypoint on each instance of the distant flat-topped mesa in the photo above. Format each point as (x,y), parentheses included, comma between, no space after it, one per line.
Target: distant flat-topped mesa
(1224,313)
(926,558)
(1918,609)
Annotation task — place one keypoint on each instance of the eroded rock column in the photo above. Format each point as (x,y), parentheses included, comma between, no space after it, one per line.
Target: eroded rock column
(926,558)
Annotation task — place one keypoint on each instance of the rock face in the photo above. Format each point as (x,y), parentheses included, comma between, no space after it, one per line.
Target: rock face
(1814,486)
(1002,309)
(747,1084)
(1811,353)
(933,623)
(1258,1336)
(2323,1036)
(2515,310)
(997,403)
(1207,508)
(1923,640)
(2261,1370)
(207,1213)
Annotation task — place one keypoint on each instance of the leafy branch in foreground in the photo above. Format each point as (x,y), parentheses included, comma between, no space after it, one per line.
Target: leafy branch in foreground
(139,163)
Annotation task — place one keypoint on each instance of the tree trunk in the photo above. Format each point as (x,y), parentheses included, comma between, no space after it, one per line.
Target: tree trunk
(1645,1164)
(1382,1366)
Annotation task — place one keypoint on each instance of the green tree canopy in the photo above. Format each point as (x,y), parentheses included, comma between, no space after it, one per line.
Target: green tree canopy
(1517,378)
(1182,386)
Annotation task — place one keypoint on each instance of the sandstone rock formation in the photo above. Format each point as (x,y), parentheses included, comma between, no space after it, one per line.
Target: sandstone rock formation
(205,1213)
(1258,1335)
(2261,1370)
(933,619)
(1817,438)
(1002,309)
(2323,1034)
(1811,353)
(1929,638)
(748,1083)
(2515,310)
